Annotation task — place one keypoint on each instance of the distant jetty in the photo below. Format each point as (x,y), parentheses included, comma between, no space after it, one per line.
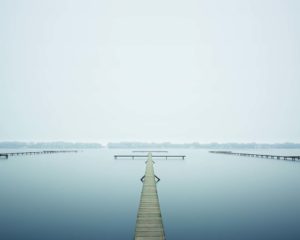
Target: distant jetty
(6,155)
(133,156)
(291,158)
(144,151)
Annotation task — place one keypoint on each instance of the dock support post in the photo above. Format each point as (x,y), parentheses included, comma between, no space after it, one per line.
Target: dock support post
(157,178)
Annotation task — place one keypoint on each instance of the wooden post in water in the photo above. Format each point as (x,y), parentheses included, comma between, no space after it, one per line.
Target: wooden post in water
(149,220)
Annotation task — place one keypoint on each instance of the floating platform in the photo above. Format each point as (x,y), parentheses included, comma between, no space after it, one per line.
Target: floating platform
(291,158)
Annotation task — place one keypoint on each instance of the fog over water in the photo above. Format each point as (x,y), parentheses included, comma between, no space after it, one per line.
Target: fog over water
(89,195)
(150,70)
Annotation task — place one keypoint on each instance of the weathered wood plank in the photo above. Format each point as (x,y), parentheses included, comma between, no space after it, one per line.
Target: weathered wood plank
(149,220)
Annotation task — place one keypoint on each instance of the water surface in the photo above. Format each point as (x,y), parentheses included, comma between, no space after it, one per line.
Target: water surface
(89,195)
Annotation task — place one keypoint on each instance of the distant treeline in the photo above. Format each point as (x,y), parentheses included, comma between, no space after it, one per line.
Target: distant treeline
(167,145)
(144,145)
(49,145)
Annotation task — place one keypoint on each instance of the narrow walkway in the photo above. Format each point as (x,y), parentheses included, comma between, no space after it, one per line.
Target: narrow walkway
(149,224)
(292,158)
(5,155)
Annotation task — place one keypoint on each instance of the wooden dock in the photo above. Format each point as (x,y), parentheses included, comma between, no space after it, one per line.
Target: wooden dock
(146,156)
(157,151)
(279,157)
(149,225)
(6,155)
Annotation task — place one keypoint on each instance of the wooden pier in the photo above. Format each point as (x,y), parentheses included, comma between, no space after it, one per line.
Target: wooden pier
(149,225)
(157,151)
(153,156)
(279,157)
(6,155)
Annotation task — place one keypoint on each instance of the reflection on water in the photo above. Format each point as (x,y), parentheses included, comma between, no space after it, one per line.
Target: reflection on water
(89,195)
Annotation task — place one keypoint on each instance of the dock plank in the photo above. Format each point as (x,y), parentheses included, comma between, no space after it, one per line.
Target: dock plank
(149,223)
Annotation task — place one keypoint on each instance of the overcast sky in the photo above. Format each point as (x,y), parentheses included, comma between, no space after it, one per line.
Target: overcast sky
(159,70)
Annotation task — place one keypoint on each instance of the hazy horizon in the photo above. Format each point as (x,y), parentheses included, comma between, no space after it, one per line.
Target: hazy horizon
(159,71)
(156,142)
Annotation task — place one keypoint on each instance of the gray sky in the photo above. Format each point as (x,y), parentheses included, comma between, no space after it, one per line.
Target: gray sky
(159,70)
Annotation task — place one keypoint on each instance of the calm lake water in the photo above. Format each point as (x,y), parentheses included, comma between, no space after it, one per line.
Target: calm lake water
(89,195)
